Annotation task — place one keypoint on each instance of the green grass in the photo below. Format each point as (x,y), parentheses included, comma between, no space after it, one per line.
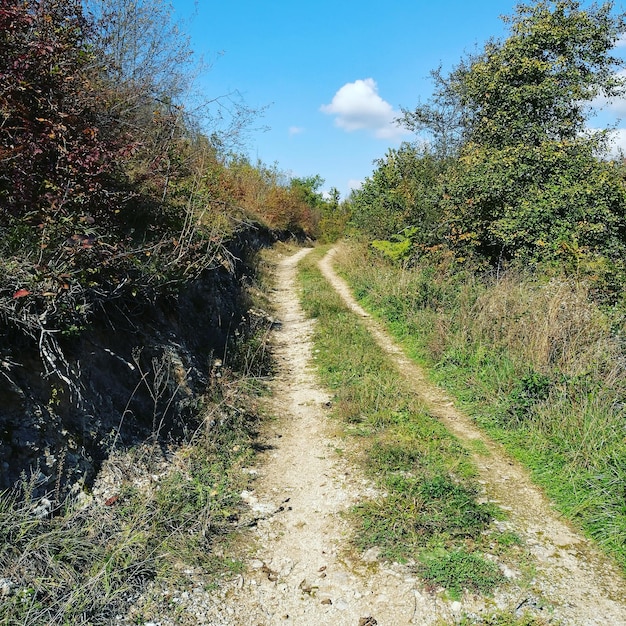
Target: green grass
(459,570)
(532,362)
(86,564)
(507,619)
(428,513)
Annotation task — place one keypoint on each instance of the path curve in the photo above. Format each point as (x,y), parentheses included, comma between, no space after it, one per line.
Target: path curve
(582,583)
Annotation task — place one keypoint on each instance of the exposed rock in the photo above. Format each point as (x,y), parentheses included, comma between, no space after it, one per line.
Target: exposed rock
(139,369)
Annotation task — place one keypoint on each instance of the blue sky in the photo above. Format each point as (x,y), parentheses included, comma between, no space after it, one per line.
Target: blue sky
(332,75)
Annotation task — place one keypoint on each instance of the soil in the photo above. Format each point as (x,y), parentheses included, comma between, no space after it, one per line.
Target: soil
(298,567)
(59,424)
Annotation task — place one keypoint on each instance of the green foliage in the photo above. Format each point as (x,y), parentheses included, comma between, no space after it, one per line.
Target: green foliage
(528,182)
(527,392)
(421,511)
(536,203)
(458,571)
(399,248)
(537,85)
(534,86)
(334,218)
(403,190)
(441,120)
(307,190)
(511,171)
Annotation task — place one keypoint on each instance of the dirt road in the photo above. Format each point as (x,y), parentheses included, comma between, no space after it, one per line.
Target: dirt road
(298,570)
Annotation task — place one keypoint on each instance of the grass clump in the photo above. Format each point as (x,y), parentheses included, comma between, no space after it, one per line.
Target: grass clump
(537,362)
(458,570)
(428,502)
(506,619)
(162,514)
(420,513)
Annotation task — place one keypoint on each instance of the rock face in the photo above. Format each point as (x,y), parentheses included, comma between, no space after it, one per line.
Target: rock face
(137,373)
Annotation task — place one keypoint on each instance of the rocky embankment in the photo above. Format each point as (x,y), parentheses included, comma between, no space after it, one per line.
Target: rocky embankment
(135,373)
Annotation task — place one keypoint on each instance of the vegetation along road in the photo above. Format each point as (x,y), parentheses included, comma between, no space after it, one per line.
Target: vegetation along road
(444,441)
(387,518)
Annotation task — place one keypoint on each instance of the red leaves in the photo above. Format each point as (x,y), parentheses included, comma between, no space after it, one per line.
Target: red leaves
(21,293)
(53,129)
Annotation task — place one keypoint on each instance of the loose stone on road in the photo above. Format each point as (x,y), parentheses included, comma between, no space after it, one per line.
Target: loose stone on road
(300,572)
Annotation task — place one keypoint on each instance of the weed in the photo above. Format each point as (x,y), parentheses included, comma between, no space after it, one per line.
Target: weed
(170,511)
(458,571)
(478,446)
(509,538)
(419,513)
(529,390)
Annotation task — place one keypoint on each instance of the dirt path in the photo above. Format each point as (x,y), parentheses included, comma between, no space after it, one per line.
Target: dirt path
(297,568)
(299,573)
(572,574)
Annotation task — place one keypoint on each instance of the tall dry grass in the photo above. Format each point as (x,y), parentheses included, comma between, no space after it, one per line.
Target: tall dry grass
(534,358)
(550,325)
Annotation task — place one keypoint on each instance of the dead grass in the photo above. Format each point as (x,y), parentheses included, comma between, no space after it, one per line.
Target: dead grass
(534,358)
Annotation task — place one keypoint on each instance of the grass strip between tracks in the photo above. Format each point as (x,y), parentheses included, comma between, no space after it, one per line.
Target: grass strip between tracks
(428,512)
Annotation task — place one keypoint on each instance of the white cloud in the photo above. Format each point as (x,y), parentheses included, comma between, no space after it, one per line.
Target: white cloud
(358,106)
(354,184)
(614,105)
(621,42)
(295,130)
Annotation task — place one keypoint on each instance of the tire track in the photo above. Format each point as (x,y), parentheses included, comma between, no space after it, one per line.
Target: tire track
(572,574)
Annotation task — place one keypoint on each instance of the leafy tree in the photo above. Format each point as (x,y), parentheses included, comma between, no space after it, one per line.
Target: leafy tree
(334,215)
(307,189)
(536,85)
(536,203)
(528,181)
(403,191)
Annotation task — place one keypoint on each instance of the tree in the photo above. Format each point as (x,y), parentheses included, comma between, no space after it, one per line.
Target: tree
(143,51)
(536,85)
(404,190)
(528,182)
(536,203)
(442,119)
